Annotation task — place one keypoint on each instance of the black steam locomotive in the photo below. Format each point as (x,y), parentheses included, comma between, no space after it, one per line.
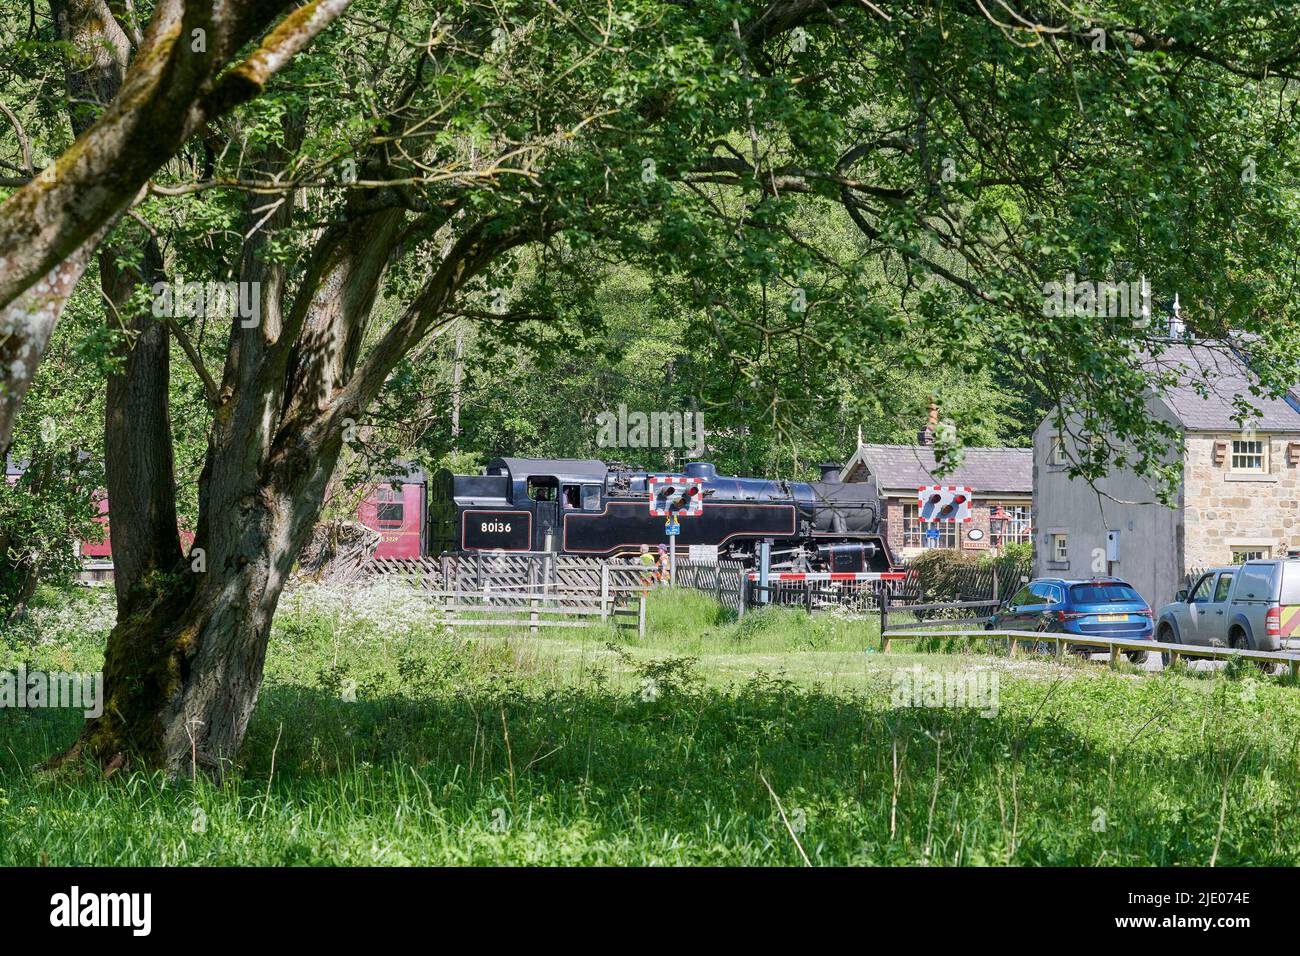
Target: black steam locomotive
(585,507)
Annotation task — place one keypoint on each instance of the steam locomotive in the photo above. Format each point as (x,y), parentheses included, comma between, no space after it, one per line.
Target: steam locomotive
(585,507)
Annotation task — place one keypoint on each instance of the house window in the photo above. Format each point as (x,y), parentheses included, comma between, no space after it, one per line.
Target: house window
(1057,455)
(1242,555)
(1061,548)
(912,537)
(1250,456)
(914,530)
(1019,526)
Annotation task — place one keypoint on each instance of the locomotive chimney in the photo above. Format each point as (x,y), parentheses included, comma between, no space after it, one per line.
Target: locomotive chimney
(926,435)
(830,471)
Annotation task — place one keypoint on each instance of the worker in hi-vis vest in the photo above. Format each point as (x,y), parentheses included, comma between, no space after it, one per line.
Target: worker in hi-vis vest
(648,575)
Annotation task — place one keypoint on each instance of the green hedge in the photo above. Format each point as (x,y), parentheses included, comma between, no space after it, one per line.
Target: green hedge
(945,574)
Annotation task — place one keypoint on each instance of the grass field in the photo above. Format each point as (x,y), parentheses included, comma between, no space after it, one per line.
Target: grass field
(381,739)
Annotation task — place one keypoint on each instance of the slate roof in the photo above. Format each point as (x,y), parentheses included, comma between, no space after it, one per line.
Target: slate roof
(1224,377)
(984,470)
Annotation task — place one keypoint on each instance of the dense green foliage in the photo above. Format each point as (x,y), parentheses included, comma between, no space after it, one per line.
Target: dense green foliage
(58,446)
(513,750)
(796,220)
(649,353)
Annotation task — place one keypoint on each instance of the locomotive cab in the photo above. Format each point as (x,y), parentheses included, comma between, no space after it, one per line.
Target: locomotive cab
(517,504)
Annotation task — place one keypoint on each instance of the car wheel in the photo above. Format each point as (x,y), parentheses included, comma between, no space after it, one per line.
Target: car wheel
(1041,647)
(1238,640)
(1137,657)
(1165,635)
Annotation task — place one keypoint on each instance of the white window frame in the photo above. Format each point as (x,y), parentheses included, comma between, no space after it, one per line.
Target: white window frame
(914,529)
(1019,527)
(1239,452)
(387,495)
(1250,552)
(1060,547)
(1057,455)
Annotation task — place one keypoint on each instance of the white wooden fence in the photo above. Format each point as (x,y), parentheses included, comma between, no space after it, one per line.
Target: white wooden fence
(533,590)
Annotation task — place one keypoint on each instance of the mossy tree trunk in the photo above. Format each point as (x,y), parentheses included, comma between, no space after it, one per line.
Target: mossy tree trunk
(138,463)
(184,664)
(183,668)
(174,85)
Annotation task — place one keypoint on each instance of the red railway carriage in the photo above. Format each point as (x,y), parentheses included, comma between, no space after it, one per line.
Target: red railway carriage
(103,551)
(396,508)
(99,554)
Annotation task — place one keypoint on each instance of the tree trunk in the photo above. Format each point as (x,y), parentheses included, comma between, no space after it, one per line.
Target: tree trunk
(138,463)
(18,581)
(138,460)
(183,669)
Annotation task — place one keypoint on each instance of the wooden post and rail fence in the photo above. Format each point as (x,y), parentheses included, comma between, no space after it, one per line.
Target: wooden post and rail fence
(1061,642)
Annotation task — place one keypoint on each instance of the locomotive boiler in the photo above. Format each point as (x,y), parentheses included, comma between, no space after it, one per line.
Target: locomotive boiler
(585,507)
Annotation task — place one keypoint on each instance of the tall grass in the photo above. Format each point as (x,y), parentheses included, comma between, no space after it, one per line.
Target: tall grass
(372,746)
(691,620)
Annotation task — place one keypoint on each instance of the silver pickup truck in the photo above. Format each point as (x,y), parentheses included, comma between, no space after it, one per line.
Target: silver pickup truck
(1255,605)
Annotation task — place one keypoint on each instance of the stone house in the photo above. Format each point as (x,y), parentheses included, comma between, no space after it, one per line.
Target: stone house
(997,477)
(1237,499)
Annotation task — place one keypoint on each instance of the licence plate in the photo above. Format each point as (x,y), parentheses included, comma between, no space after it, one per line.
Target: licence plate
(1110,618)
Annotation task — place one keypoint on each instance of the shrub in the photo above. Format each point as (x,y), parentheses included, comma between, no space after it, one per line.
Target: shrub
(946,574)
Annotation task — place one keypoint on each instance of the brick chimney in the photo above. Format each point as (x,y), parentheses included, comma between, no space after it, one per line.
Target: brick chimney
(926,435)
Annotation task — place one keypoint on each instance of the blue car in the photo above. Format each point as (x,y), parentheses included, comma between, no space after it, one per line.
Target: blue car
(1106,607)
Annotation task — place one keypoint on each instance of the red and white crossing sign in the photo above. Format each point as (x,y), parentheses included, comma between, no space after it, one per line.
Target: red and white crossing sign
(675,495)
(943,503)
